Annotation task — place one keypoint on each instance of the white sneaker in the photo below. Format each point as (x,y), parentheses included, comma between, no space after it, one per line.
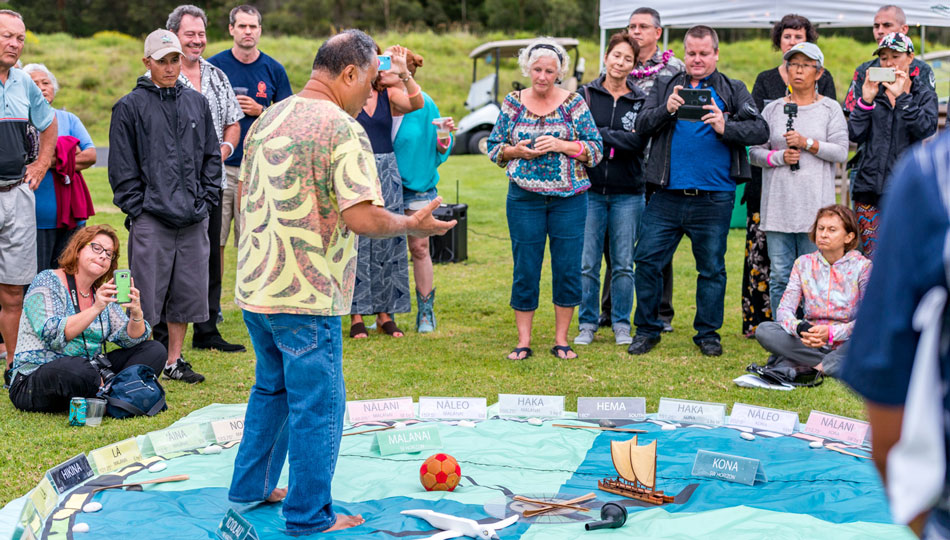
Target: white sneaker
(585,337)
(622,336)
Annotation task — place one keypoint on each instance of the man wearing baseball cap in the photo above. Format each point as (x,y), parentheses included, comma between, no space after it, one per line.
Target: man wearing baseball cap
(165,172)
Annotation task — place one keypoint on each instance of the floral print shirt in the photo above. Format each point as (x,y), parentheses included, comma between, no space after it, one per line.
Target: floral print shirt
(553,174)
(831,293)
(305,162)
(42,334)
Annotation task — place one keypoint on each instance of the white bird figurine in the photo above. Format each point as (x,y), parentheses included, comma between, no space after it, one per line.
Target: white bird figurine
(455,527)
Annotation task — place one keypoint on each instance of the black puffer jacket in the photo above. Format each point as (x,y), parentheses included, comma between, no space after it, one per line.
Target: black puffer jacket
(887,131)
(164,157)
(744,125)
(621,170)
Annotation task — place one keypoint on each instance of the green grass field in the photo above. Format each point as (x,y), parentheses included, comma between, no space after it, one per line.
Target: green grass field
(464,357)
(95,72)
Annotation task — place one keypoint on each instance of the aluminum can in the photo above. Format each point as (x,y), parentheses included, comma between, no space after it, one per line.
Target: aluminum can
(77,411)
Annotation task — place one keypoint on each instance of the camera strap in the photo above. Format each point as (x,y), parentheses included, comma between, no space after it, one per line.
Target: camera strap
(74,296)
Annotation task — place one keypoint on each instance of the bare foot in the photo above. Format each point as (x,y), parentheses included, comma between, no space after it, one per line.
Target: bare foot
(345,522)
(277,495)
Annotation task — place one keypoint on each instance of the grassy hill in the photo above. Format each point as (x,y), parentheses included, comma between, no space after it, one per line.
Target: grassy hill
(95,72)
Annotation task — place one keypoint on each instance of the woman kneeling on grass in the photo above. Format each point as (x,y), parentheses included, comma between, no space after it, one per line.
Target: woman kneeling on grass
(831,281)
(68,314)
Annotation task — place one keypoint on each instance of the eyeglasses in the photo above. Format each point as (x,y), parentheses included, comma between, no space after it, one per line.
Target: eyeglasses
(99,250)
(802,67)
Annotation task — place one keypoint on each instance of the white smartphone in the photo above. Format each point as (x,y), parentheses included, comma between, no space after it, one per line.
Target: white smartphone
(881,74)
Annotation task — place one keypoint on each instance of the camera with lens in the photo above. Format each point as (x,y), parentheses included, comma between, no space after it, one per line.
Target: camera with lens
(791,109)
(104,367)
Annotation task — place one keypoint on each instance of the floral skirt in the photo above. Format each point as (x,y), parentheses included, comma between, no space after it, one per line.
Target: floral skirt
(756,307)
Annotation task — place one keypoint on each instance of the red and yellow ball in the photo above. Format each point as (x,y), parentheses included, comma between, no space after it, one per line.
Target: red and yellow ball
(440,472)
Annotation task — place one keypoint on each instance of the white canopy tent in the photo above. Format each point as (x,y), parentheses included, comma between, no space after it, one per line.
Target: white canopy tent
(765,13)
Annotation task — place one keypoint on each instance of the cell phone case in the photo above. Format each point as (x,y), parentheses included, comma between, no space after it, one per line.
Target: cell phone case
(692,110)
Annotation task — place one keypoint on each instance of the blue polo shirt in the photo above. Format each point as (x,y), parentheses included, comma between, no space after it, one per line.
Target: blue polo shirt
(67,123)
(698,157)
(266,82)
(21,102)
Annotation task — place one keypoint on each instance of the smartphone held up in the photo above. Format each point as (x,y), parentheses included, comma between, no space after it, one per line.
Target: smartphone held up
(123,286)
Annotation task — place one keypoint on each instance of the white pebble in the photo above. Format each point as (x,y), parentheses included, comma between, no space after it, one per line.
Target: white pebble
(157,467)
(211,449)
(92,507)
(667,427)
(816,444)
(81,528)
(399,425)
(466,423)
(747,436)
(535,421)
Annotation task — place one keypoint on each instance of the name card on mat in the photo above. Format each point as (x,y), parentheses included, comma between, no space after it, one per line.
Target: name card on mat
(231,429)
(693,412)
(840,428)
(764,418)
(110,458)
(601,408)
(177,439)
(235,527)
(728,467)
(407,441)
(452,408)
(380,410)
(520,405)
(71,473)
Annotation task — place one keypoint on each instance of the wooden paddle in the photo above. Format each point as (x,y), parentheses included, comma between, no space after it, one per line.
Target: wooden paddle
(176,478)
(547,506)
(369,431)
(601,428)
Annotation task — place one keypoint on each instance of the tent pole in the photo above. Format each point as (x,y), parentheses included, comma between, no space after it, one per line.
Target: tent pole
(666,39)
(603,45)
(923,38)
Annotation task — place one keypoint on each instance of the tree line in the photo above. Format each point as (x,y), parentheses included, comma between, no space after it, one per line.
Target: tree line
(314,18)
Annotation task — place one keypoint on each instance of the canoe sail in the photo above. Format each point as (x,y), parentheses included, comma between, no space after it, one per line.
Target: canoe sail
(643,460)
(620,453)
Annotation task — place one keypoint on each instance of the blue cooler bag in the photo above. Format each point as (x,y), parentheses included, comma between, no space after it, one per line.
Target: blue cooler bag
(135,391)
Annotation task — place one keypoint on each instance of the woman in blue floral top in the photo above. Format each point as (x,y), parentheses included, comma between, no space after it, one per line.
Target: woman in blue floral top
(544,138)
(57,342)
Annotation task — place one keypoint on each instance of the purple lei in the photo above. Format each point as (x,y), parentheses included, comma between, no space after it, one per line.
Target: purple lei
(644,72)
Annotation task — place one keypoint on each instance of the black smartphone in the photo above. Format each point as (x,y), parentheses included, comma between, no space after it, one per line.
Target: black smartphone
(694,101)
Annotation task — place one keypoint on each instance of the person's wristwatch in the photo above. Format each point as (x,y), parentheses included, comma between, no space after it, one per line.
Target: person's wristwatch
(809,142)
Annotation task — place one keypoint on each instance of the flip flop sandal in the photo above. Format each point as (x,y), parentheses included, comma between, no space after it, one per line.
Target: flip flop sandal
(357,329)
(564,349)
(389,328)
(518,350)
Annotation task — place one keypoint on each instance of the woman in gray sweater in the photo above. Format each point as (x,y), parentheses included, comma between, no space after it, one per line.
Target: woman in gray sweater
(799,163)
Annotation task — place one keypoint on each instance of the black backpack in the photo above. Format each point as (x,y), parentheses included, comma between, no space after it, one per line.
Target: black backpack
(135,391)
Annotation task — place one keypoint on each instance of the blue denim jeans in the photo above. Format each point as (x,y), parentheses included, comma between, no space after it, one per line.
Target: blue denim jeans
(704,219)
(532,219)
(295,409)
(784,248)
(617,217)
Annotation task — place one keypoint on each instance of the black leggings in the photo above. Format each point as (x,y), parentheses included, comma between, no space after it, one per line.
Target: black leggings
(50,387)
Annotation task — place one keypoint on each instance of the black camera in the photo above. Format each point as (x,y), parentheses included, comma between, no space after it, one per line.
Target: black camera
(791,109)
(104,367)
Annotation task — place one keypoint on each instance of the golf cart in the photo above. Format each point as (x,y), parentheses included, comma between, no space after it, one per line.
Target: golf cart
(483,96)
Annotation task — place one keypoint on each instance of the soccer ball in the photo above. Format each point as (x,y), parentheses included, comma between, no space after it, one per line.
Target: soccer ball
(440,472)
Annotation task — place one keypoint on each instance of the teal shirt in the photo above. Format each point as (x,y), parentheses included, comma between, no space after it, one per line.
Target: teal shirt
(415,149)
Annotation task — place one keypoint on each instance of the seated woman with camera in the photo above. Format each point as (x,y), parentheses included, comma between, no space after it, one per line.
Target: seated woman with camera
(828,283)
(68,315)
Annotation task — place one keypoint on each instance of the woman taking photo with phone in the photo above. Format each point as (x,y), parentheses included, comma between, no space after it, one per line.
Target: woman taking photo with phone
(807,136)
(891,115)
(68,315)
(544,138)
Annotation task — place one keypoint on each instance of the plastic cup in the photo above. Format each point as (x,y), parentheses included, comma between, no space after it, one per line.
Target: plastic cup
(442,131)
(95,409)
(240,91)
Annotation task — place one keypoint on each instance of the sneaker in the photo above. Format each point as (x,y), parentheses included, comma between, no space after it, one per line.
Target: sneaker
(622,336)
(586,337)
(667,327)
(643,344)
(181,371)
(710,347)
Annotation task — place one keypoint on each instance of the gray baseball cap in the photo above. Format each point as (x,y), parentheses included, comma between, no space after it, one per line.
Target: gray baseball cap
(808,49)
(161,42)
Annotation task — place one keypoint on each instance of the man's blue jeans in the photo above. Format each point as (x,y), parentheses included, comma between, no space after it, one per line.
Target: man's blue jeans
(296,408)
(784,248)
(532,219)
(704,219)
(617,217)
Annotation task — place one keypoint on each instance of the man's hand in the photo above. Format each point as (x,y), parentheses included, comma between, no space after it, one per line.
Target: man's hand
(674,102)
(816,337)
(869,91)
(249,106)
(35,172)
(422,224)
(225,152)
(714,119)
